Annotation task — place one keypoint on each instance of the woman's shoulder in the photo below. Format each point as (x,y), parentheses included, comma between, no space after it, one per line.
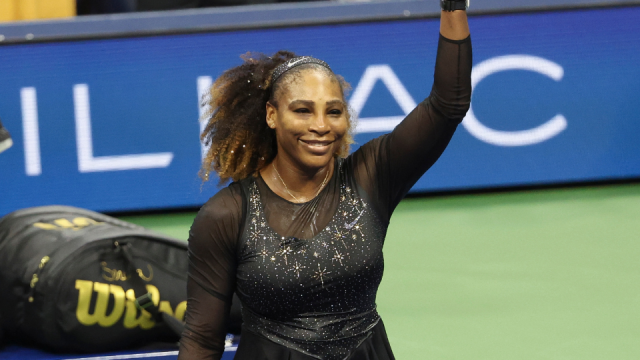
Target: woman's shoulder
(368,151)
(226,203)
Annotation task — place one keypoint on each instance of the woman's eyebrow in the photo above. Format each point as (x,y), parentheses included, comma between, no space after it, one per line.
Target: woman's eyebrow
(308,103)
(311,103)
(335,102)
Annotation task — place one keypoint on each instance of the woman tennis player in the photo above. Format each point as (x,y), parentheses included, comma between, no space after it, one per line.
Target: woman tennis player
(299,233)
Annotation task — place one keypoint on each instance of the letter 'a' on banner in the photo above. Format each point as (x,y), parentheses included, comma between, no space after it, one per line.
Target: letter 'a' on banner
(361,94)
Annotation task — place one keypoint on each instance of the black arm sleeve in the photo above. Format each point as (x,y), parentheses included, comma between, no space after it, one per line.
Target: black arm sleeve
(212,272)
(387,167)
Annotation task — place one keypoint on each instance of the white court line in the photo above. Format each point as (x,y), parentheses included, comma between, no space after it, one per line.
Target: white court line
(140,356)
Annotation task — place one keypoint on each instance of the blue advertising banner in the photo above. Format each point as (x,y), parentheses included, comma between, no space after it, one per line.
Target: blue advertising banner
(112,124)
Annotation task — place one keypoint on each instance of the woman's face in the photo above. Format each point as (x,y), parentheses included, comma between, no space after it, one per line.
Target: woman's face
(310,120)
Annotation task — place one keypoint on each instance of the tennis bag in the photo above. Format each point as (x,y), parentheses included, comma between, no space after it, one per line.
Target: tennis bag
(76,280)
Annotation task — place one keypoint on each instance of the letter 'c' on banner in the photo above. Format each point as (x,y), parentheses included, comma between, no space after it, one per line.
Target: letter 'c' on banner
(533,136)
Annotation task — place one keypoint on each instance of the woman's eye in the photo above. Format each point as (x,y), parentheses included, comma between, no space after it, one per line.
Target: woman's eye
(335,112)
(302,110)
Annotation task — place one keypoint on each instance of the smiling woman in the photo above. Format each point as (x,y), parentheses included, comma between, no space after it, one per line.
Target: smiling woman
(240,140)
(299,234)
(309,114)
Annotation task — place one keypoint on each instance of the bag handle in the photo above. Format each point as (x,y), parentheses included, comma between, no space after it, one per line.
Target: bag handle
(145,302)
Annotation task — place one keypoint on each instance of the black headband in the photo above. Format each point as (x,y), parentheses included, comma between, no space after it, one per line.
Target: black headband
(296,61)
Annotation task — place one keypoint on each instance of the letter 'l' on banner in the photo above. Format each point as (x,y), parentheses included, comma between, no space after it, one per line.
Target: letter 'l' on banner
(84,141)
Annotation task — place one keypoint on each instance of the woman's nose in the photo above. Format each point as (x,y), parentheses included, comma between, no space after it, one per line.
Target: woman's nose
(320,124)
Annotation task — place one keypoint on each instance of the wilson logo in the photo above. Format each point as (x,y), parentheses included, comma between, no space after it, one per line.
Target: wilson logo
(112,303)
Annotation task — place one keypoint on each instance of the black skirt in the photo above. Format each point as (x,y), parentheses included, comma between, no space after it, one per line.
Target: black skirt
(256,347)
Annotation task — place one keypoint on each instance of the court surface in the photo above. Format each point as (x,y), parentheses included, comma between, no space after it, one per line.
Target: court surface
(545,274)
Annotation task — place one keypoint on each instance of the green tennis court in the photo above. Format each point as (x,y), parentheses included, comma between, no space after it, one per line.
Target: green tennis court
(548,274)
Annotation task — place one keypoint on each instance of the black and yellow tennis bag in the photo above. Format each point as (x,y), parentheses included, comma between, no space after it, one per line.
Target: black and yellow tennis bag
(76,280)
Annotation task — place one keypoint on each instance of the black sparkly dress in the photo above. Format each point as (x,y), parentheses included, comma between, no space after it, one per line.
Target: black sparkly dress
(307,274)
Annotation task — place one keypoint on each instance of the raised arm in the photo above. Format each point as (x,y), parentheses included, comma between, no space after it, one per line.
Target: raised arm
(212,269)
(389,166)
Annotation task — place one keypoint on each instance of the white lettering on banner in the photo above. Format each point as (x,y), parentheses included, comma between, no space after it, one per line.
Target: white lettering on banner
(30,131)
(372,74)
(84,141)
(204,96)
(533,136)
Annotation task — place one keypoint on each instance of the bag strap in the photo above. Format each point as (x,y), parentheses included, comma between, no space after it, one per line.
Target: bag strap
(145,302)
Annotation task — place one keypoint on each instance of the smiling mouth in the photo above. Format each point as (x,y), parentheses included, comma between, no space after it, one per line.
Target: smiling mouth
(316,143)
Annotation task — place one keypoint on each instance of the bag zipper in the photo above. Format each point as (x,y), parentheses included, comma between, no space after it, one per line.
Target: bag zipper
(36,277)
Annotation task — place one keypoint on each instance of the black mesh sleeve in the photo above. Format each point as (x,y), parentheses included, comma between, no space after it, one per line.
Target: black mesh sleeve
(212,271)
(387,167)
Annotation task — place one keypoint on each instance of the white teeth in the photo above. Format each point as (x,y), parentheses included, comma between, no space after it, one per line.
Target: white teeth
(315,144)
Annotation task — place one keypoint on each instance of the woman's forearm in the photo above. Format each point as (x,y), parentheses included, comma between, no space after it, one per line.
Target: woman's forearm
(454,25)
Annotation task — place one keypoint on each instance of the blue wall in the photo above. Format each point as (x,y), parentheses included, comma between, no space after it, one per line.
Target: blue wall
(143,99)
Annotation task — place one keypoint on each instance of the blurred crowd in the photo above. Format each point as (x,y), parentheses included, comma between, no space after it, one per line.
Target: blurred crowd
(88,7)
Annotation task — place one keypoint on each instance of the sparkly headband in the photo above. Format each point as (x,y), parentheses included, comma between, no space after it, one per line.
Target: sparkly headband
(296,61)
